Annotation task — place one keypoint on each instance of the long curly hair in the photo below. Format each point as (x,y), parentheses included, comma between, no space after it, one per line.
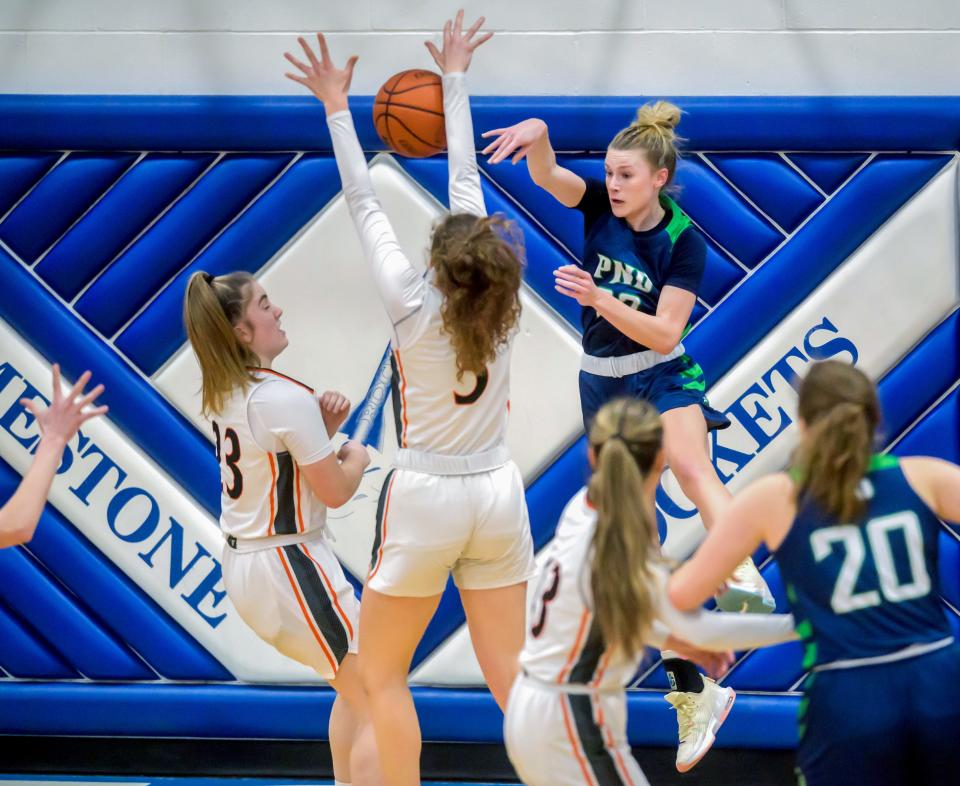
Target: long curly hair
(478,267)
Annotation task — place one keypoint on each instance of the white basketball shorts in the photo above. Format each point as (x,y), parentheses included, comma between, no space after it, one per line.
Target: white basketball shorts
(429,526)
(297,599)
(555,738)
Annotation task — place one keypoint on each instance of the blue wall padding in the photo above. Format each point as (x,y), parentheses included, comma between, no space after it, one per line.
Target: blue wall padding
(267,712)
(723,215)
(818,248)
(771,184)
(566,224)
(802,123)
(18,174)
(546,498)
(828,170)
(949,572)
(30,592)
(58,200)
(117,604)
(935,361)
(154,426)
(247,244)
(938,434)
(25,656)
(176,238)
(543,255)
(136,200)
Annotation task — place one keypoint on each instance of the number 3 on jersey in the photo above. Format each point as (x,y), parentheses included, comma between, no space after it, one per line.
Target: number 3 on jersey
(471,398)
(548,589)
(845,599)
(236,488)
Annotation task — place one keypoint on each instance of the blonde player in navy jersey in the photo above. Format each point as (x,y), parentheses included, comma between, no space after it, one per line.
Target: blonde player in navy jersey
(279,474)
(58,423)
(855,536)
(642,264)
(454,504)
(601,598)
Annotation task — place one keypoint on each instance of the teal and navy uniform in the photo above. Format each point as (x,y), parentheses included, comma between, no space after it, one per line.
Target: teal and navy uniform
(636,266)
(882,701)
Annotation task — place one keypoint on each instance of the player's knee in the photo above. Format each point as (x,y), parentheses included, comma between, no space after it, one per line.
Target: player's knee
(691,470)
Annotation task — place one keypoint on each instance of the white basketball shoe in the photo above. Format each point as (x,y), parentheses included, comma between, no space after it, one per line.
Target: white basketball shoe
(746,591)
(699,716)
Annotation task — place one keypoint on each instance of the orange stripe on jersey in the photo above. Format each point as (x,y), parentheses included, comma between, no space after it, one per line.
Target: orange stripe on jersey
(306,614)
(296,484)
(403,400)
(584,624)
(601,669)
(611,744)
(575,744)
(283,376)
(383,533)
(272,490)
(330,591)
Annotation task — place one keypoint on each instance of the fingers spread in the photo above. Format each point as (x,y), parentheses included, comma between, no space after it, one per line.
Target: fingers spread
(90,397)
(298,63)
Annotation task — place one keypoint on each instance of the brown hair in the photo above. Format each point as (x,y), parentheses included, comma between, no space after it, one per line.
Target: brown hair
(839,405)
(211,309)
(478,264)
(625,436)
(653,133)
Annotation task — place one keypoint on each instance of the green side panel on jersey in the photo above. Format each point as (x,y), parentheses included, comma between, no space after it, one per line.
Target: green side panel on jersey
(679,220)
(882,461)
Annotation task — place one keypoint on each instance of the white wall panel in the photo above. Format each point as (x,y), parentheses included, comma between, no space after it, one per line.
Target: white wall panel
(513,63)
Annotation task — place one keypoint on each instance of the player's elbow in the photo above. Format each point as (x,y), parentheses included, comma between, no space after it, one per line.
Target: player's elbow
(681,598)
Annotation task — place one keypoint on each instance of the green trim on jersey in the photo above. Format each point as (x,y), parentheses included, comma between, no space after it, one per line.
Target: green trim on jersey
(695,375)
(679,221)
(805,631)
(880,461)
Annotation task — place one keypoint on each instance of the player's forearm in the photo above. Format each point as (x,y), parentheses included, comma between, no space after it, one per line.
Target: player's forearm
(351,475)
(465,193)
(19,517)
(654,331)
(541,159)
(718,631)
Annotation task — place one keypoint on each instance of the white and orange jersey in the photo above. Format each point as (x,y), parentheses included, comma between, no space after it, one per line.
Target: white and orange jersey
(263,435)
(564,645)
(437,413)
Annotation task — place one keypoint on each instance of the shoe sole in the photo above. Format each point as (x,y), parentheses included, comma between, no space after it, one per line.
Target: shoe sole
(738,601)
(713,733)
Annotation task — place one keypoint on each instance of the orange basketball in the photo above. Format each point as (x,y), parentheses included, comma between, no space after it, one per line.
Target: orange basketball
(408,114)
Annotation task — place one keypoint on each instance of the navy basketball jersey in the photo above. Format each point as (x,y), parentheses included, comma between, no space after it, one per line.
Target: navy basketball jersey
(867,590)
(634,266)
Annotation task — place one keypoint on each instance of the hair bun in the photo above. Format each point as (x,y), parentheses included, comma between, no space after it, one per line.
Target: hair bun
(658,114)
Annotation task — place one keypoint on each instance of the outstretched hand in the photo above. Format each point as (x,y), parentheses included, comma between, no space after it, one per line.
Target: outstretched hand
(458,47)
(63,418)
(321,77)
(514,140)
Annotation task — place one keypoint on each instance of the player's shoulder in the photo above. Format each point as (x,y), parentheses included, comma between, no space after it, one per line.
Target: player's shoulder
(273,387)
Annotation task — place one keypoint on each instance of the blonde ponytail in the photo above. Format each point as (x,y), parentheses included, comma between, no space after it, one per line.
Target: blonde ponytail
(653,133)
(626,437)
(211,308)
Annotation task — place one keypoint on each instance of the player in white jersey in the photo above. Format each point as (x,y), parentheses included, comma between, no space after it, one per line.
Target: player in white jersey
(278,474)
(58,423)
(455,501)
(602,597)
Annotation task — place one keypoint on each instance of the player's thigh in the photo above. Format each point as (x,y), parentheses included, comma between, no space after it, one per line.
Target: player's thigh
(595,391)
(390,630)
(423,523)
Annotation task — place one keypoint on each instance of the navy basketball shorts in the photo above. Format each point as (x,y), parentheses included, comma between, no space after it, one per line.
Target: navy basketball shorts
(669,385)
(892,724)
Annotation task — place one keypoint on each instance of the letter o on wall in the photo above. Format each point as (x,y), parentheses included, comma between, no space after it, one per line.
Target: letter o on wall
(128,530)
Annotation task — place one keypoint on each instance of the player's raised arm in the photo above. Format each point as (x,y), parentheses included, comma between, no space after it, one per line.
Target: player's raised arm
(58,423)
(400,284)
(453,59)
(530,139)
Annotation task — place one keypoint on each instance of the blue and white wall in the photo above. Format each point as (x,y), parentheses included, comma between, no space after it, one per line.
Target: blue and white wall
(145,141)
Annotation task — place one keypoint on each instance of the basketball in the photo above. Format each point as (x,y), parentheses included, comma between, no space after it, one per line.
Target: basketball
(408,114)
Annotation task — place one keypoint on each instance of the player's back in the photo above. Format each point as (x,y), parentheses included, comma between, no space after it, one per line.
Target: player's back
(437,412)
(867,590)
(563,643)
